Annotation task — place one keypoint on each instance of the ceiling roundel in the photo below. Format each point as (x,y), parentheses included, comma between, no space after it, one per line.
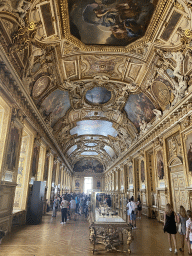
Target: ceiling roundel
(98,95)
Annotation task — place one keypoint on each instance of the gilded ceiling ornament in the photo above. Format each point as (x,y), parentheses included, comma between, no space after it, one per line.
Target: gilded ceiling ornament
(101,80)
(179,6)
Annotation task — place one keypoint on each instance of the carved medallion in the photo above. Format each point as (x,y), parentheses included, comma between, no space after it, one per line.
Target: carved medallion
(40,86)
(161,93)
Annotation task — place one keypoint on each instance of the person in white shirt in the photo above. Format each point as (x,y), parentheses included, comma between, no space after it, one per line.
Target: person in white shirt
(128,213)
(132,212)
(63,206)
(73,208)
(189,231)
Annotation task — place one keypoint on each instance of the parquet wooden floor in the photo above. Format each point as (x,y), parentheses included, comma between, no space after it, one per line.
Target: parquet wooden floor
(53,239)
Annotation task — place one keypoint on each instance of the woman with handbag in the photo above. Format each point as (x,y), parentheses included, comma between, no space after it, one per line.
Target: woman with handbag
(181,220)
(170,226)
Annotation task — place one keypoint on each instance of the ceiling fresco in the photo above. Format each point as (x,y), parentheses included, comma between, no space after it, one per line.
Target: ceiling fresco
(109,22)
(139,108)
(89,153)
(100,72)
(98,95)
(91,165)
(72,149)
(95,127)
(109,151)
(56,104)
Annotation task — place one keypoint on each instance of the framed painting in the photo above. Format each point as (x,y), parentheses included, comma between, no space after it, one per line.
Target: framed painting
(160,165)
(188,143)
(45,177)
(142,171)
(35,161)
(13,149)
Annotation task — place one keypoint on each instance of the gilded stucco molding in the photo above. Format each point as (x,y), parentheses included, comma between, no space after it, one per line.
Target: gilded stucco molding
(168,123)
(15,89)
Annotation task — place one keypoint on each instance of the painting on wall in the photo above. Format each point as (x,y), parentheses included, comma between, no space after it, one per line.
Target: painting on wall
(13,149)
(77,183)
(109,22)
(98,184)
(35,161)
(57,103)
(130,174)
(88,165)
(54,172)
(160,165)
(139,108)
(45,177)
(142,171)
(189,151)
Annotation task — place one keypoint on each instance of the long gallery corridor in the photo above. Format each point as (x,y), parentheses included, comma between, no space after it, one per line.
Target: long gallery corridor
(53,239)
(95,106)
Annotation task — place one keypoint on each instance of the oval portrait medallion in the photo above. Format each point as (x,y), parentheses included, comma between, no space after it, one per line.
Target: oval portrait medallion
(40,86)
(161,92)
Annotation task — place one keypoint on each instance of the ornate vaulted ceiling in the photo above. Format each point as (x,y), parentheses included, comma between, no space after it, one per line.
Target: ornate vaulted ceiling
(100,72)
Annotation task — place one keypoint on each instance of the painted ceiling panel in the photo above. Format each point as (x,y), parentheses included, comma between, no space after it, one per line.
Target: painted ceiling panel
(89,153)
(90,144)
(95,127)
(109,151)
(98,95)
(88,165)
(138,108)
(56,103)
(109,22)
(73,148)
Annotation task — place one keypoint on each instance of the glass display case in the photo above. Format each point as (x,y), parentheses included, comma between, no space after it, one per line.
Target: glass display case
(108,231)
(102,210)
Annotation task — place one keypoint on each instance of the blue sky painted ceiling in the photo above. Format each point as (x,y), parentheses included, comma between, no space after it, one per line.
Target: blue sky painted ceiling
(95,127)
(89,153)
(109,151)
(73,148)
(98,95)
